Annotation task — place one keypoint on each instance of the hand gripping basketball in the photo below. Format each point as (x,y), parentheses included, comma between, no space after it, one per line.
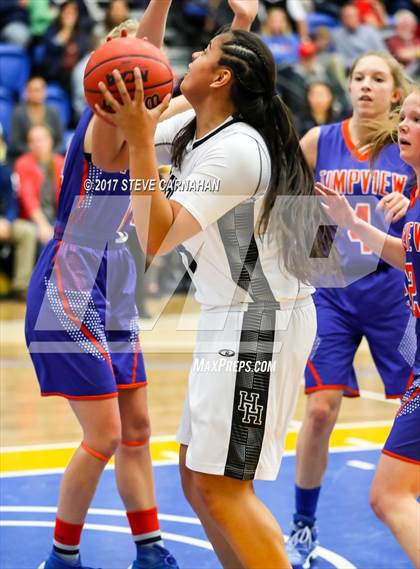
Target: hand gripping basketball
(137,122)
(126,53)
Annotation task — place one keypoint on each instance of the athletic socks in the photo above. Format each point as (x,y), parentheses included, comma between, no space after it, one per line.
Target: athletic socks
(306,502)
(66,542)
(145,529)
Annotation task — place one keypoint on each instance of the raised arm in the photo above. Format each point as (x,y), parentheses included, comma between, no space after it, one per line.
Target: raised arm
(108,146)
(153,23)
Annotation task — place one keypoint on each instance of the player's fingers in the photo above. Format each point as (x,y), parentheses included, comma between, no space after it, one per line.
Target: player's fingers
(108,97)
(326,190)
(106,116)
(161,108)
(397,212)
(138,82)
(121,86)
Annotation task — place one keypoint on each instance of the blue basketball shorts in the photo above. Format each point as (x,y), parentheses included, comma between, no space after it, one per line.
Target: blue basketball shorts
(373,307)
(403,441)
(81,322)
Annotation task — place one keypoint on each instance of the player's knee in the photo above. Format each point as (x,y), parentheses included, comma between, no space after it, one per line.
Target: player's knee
(138,429)
(382,502)
(321,415)
(104,440)
(217,497)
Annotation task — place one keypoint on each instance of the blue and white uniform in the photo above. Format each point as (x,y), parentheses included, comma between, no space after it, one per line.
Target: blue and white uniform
(81,323)
(371,306)
(404,439)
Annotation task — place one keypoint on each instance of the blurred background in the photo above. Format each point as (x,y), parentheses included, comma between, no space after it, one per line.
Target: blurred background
(44,47)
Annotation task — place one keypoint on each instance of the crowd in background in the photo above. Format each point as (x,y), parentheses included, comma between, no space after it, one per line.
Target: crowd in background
(313,42)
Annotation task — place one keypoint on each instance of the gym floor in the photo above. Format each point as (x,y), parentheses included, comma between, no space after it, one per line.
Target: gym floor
(38,436)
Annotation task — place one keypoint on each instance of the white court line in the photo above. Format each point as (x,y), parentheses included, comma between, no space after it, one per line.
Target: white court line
(97,512)
(362,443)
(361,464)
(330,556)
(114,529)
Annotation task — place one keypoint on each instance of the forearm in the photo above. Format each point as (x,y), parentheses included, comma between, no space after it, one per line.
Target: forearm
(153,22)
(153,215)
(109,150)
(389,248)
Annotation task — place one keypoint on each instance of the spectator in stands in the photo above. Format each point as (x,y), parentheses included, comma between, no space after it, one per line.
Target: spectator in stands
(65,43)
(372,12)
(352,38)
(320,108)
(295,11)
(18,233)
(116,13)
(293,82)
(32,112)
(329,58)
(14,23)
(39,178)
(405,43)
(278,36)
(40,16)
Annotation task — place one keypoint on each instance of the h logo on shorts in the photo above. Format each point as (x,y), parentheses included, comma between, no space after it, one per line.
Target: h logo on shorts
(248,404)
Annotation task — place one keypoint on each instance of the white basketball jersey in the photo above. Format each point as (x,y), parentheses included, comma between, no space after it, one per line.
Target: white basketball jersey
(222,183)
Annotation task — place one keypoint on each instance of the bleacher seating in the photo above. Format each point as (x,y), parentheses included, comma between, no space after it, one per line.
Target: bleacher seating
(58,98)
(14,68)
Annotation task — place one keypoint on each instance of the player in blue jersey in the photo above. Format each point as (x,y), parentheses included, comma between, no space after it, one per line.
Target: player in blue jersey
(396,486)
(367,307)
(82,332)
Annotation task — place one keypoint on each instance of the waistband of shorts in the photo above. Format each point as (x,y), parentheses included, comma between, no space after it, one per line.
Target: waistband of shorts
(288,304)
(118,240)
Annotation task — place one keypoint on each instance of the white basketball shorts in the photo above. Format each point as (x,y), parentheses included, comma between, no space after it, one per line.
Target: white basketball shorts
(243,387)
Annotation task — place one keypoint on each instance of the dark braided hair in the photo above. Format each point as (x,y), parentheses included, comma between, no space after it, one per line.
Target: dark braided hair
(299,225)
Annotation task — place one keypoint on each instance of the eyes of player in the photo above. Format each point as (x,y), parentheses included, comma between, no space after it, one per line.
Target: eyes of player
(376,78)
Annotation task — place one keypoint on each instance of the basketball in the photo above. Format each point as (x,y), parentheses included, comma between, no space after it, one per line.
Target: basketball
(125,54)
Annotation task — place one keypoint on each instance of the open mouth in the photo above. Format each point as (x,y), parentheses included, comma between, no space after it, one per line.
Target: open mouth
(404,142)
(365,98)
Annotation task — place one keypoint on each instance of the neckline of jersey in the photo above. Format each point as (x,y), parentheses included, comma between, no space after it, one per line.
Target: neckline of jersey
(345,129)
(230,120)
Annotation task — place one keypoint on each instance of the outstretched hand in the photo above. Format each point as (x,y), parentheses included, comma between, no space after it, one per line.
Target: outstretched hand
(245,12)
(136,121)
(394,206)
(336,206)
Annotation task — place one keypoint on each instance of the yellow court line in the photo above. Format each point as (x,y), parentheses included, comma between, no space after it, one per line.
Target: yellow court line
(46,458)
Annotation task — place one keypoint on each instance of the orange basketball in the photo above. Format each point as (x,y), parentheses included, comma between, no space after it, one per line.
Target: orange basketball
(125,54)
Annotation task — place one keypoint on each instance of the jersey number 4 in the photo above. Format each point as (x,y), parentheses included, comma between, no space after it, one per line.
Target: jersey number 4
(363,211)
